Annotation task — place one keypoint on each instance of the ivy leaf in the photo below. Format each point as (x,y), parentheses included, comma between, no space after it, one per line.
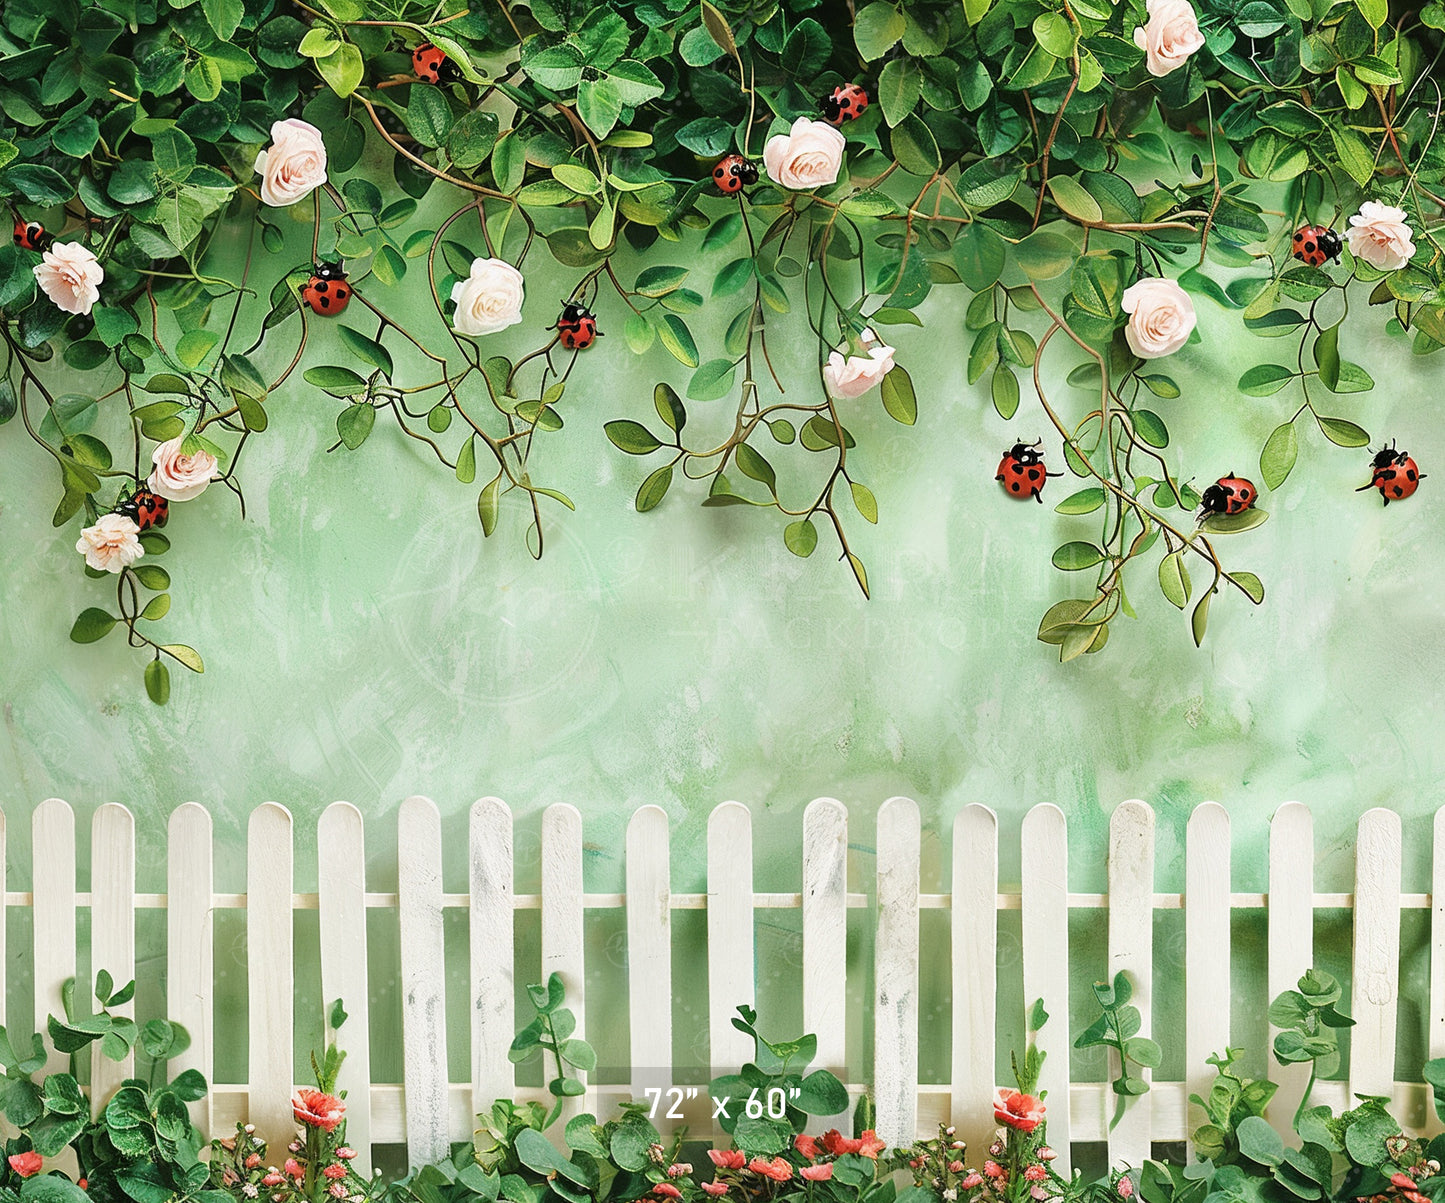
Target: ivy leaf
(599,104)
(877,29)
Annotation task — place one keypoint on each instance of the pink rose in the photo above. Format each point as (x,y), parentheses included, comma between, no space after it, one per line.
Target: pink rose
(1378,234)
(808,156)
(854,375)
(111,544)
(71,276)
(294,165)
(1161,316)
(1170,37)
(178,476)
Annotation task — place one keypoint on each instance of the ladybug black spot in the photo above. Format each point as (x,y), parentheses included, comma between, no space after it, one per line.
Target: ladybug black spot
(1034,474)
(325,302)
(1409,473)
(1015,486)
(1310,247)
(1399,490)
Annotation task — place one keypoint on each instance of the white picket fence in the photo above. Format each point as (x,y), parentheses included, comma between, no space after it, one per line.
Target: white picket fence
(427,1111)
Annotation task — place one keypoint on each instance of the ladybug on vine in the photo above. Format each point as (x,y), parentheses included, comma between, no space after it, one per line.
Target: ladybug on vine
(733,173)
(31,235)
(145,508)
(577,327)
(1022,471)
(1316,245)
(1229,495)
(1394,473)
(845,104)
(327,293)
(432,65)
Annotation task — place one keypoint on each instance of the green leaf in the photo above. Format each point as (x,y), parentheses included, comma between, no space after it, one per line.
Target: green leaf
(194,345)
(712,380)
(1174,579)
(1199,620)
(1070,196)
(1150,427)
(1044,255)
(800,537)
(750,463)
(717,27)
(1233,524)
(677,338)
(355,422)
(659,280)
(900,83)
(877,28)
(669,407)
(1251,584)
(979,254)
(631,437)
(342,71)
(1277,459)
(1264,379)
(367,349)
(1071,557)
(1259,1141)
(599,104)
(185,655)
(867,506)
(152,576)
(428,115)
(654,489)
(338,381)
(158,682)
(1085,501)
(1004,387)
(1327,356)
(488,501)
(466,470)
(899,399)
(91,624)
(1343,433)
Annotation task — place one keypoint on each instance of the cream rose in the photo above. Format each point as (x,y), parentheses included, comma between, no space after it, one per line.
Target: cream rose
(1170,37)
(110,544)
(71,276)
(489,299)
(808,156)
(1379,235)
(293,165)
(177,476)
(853,375)
(1161,315)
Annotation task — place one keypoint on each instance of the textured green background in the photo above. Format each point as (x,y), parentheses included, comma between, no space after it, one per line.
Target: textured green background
(363,642)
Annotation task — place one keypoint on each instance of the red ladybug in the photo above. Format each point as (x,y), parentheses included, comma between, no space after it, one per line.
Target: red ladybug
(1023,473)
(145,509)
(733,172)
(1231,495)
(846,104)
(433,66)
(1317,244)
(1395,474)
(31,235)
(327,291)
(577,327)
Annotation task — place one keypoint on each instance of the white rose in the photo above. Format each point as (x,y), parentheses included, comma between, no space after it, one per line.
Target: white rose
(854,375)
(110,544)
(489,299)
(807,156)
(1379,235)
(70,275)
(1171,36)
(293,165)
(180,477)
(1161,315)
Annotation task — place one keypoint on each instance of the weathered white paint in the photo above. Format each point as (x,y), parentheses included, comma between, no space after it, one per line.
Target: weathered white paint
(895,958)
(112,933)
(423,981)
(1045,890)
(1131,948)
(975,972)
(1376,979)
(270,965)
(1206,943)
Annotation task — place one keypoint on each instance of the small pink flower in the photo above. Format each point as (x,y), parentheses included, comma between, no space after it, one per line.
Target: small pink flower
(346,1153)
(1125,1187)
(294,1168)
(679,1169)
(253,1161)
(727,1159)
(777,1169)
(1036,1173)
(337,1190)
(26,1164)
(869,1145)
(993,1169)
(971,1181)
(335,1170)
(273,1179)
(111,545)
(1039,1191)
(1403,1181)
(807,1146)
(955,1167)
(70,275)
(716,1189)
(1046,1153)
(916,1163)
(817,1173)
(666,1190)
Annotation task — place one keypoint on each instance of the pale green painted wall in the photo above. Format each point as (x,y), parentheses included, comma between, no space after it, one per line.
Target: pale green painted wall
(363,642)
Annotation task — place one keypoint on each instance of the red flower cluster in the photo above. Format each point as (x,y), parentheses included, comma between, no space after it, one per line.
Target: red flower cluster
(317,1110)
(1018,1110)
(867,1145)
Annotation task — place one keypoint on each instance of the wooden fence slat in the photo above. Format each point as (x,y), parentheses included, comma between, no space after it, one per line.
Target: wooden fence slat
(112,930)
(341,890)
(1131,948)
(423,981)
(895,1009)
(190,945)
(1207,990)
(1376,978)
(649,948)
(975,972)
(271,972)
(731,980)
(562,931)
(825,930)
(4,947)
(53,872)
(1435,1036)
(1291,939)
(1045,934)
(492,928)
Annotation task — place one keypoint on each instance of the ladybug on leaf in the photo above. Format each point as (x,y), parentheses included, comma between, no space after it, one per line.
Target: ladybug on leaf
(1229,495)
(733,173)
(432,65)
(1316,245)
(1395,474)
(145,508)
(31,235)
(1022,472)
(577,327)
(327,293)
(845,104)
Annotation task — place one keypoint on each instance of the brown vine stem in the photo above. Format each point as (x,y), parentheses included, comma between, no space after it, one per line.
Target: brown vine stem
(1049,143)
(467,185)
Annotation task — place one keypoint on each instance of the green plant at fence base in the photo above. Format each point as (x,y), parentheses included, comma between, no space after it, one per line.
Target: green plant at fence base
(551,1032)
(1117,1028)
(1309,1021)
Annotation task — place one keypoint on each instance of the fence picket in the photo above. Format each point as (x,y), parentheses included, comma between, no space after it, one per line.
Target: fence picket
(562,932)
(423,981)
(53,873)
(895,1007)
(1045,901)
(190,944)
(649,948)
(270,964)
(1435,1036)
(112,929)
(975,972)
(1131,948)
(341,890)
(492,927)
(1376,975)
(730,969)
(1206,940)
(4,946)
(825,930)
(1291,938)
